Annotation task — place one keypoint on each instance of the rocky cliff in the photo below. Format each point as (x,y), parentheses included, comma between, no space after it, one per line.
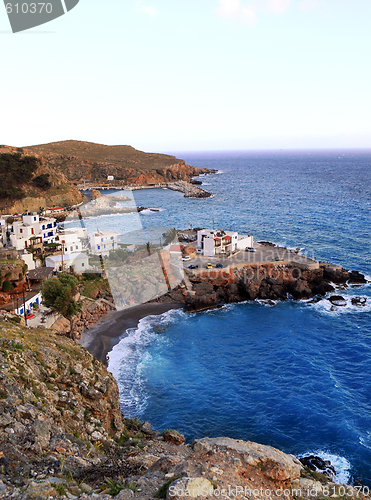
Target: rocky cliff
(60,193)
(266,281)
(62,436)
(95,162)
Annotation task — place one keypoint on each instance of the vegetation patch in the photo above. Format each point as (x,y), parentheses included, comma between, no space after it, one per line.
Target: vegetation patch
(162,491)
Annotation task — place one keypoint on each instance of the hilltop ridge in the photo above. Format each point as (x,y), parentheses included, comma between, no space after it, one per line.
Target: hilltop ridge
(70,164)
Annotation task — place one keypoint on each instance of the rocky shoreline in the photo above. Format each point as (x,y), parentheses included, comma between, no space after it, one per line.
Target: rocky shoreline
(62,435)
(270,281)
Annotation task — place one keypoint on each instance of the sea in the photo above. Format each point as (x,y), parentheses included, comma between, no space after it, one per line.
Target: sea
(295,375)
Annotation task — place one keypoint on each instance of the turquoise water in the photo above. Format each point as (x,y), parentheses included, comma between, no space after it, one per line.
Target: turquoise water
(295,375)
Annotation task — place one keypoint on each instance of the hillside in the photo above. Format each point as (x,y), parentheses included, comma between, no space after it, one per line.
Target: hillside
(62,435)
(95,162)
(28,183)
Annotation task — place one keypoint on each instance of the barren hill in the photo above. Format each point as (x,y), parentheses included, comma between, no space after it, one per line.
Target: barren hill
(80,160)
(124,156)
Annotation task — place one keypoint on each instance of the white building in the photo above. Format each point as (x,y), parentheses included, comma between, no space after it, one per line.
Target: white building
(31,230)
(212,242)
(28,259)
(102,242)
(73,239)
(245,242)
(77,261)
(32,298)
(2,231)
(48,229)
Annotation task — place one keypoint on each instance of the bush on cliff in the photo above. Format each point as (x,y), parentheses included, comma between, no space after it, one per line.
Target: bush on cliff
(42,181)
(7,287)
(16,171)
(59,294)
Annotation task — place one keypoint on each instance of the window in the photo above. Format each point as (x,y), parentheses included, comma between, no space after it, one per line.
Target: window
(21,231)
(98,247)
(82,264)
(101,240)
(43,226)
(34,218)
(71,248)
(77,247)
(112,237)
(21,311)
(104,246)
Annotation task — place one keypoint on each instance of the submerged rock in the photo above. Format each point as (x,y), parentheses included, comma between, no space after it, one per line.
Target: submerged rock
(318,464)
(337,300)
(359,301)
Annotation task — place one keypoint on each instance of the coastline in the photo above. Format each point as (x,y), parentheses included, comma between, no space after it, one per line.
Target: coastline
(106,333)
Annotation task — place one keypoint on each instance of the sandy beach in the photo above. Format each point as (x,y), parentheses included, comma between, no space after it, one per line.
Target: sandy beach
(106,333)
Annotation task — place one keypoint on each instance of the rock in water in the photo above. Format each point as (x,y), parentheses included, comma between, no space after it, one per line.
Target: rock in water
(319,465)
(359,301)
(337,300)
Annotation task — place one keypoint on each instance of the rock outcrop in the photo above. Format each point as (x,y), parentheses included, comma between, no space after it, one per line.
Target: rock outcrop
(62,436)
(266,281)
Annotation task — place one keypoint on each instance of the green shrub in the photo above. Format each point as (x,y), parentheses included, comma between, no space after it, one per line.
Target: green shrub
(15,319)
(60,489)
(3,394)
(7,286)
(161,492)
(124,437)
(42,181)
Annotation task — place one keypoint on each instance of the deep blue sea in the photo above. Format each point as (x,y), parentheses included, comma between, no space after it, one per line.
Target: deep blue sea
(295,375)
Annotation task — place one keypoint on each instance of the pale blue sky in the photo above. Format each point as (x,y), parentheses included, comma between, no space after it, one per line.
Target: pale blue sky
(166,75)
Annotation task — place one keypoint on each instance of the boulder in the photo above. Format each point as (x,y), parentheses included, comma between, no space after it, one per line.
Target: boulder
(318,464)
(356,277)
(359,301)
(337,300)
(174,437)
(300,289)
(188,487)
(277,465)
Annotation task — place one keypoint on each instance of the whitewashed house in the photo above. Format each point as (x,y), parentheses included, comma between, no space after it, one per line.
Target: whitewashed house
(2,231)
(48,229)
(31,298)
(245,242)
(73,239)
(28,259)
(102,242)
(212,242)
(32,230)
(78,262)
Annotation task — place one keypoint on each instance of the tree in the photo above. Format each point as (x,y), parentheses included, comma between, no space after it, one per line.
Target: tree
(170,235)
(42,181)
(59,294)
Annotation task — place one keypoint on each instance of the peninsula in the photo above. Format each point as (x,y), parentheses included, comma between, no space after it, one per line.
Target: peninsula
(69,167)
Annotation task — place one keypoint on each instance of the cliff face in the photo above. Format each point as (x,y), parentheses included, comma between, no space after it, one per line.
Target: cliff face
(57,385)
(268,281)
(60,193)
(59,409)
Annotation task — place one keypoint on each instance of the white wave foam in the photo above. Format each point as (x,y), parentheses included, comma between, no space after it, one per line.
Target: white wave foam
(341,465)
(268,302)
(152,210)
(326,307)
(127,359)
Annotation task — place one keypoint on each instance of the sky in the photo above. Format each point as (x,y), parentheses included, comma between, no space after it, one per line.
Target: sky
(171,75)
